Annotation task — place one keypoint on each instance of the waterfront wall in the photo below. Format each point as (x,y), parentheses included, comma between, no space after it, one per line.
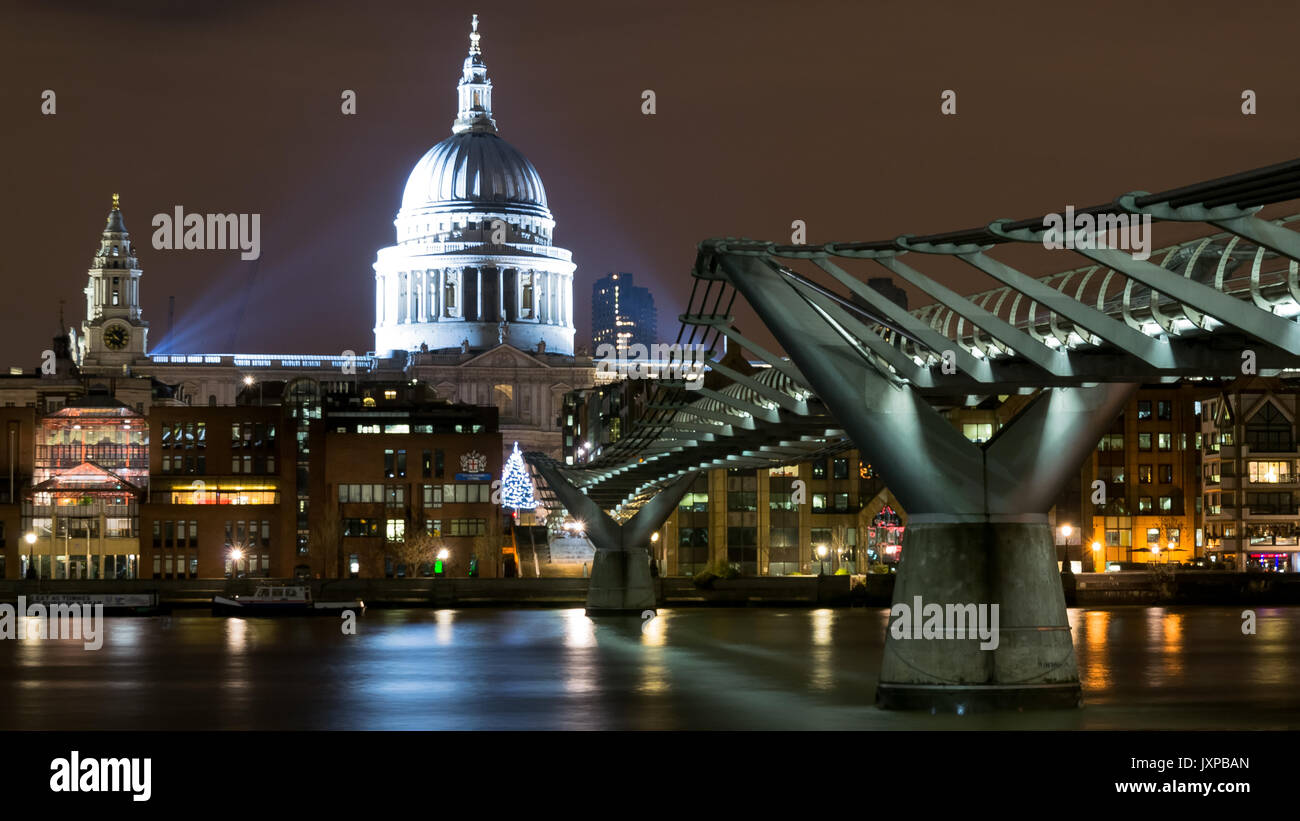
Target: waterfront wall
(1087,589)
(795,591)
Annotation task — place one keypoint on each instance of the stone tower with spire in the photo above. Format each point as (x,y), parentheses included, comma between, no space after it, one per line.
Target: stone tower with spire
(113,334)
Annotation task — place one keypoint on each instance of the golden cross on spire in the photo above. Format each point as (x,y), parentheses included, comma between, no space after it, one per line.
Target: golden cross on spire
(116,204)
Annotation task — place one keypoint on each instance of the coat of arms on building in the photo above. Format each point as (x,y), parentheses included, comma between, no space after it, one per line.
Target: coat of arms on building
(473,462)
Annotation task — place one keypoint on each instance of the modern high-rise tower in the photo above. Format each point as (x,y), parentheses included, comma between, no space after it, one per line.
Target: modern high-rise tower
(622,312)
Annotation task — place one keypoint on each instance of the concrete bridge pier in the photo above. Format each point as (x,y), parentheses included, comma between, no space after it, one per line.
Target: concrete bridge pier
(977,534)
(620,571)
(1019,657)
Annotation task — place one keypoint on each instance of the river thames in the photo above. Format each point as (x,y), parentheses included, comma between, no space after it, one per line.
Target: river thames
(552,669)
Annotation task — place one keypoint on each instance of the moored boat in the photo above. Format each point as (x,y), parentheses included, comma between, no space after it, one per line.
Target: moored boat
(281,600)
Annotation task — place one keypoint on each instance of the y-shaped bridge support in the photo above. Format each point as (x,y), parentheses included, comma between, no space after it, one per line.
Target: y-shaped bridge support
(977,531)
(620,572)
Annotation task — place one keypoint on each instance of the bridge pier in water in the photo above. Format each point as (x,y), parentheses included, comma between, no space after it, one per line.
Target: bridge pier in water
(978,533)
(620,583)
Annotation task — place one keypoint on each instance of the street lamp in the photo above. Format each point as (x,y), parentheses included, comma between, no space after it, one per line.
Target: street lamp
(236,555)
(821,559)
(1066,531)
(30,538)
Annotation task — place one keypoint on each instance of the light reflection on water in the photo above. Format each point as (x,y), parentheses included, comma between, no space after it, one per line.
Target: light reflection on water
(760,668)
(1092,631)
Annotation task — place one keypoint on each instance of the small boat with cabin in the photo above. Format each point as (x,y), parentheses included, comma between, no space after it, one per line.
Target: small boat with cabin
(281,600)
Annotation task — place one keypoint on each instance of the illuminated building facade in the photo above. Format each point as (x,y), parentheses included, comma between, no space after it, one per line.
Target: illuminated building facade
(772,522)
(1249,475)
(222,497)
(622,313)
(394,461)
(90,472)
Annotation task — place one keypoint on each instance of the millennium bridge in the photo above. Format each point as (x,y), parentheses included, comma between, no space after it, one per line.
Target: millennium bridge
(858,370)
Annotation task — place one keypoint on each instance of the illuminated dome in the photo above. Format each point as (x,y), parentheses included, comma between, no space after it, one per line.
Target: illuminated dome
(474,266)
(471,170)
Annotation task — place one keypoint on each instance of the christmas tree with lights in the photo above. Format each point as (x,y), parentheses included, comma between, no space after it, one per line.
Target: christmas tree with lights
(516,484)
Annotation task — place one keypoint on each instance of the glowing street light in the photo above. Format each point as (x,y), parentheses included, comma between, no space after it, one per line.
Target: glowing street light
(30,538)
(1066,531)
(821,559)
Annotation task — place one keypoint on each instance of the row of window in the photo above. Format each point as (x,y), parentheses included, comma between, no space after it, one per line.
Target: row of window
(432,463)
(174,566)
(184,435)
(252,434)
(197,464)
(1124,537)
(431,495)
(404,427)
(394,530)
(248,463)
(189,463)
(1164,410)
(1268,472)
(839,469)
(245,534)
(779,538)
(1114,442)
(1115,474)
(747,500)
(200,494)
(171,533)
(1268,504)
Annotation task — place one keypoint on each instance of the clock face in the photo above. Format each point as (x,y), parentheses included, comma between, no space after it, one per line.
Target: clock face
(116,337)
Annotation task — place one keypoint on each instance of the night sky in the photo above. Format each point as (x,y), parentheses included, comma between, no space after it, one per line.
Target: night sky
(767,112)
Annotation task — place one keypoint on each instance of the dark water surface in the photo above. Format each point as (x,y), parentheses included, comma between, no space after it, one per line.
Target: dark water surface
(705,668)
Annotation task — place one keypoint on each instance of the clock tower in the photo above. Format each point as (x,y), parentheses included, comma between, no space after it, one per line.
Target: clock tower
(113,334)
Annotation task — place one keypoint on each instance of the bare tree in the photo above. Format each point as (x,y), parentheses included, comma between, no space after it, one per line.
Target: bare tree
(1167,525)
(417,549)
(326,539)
